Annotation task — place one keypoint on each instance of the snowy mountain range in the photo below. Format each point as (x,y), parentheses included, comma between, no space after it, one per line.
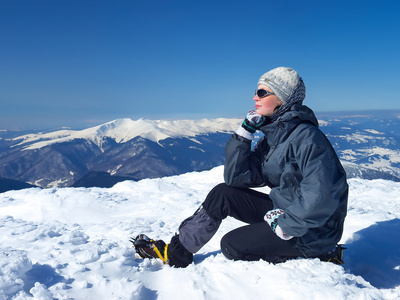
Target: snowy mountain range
(368,139)
(367,143)
(111,152)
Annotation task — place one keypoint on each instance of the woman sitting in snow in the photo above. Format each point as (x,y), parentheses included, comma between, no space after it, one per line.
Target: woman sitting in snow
(304,213)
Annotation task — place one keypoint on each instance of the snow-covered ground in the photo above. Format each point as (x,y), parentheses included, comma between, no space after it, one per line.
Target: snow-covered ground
(72,243)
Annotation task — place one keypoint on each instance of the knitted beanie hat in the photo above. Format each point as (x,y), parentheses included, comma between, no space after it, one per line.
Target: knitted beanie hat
(282,81)
(287,85)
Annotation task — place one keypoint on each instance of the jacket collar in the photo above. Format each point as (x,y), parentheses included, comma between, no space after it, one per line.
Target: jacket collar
(278,131)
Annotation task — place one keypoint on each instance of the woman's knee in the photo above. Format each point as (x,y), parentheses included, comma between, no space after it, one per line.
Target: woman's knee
(233,248)
(217,191)
(215,203)
(227,250)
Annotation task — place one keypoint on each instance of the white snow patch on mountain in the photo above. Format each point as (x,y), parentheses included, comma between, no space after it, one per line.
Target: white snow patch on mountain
(123,130)
(323,123)
(72,243)
(377,158)
(360,138)
(373,131)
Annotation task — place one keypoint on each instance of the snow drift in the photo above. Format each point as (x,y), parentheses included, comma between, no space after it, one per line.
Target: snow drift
(72,243)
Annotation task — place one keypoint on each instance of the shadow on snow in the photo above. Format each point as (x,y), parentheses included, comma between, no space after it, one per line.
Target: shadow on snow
(198,258)
(45,275)
(374,254)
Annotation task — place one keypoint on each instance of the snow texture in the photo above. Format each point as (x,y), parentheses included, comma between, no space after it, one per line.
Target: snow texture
(72,243)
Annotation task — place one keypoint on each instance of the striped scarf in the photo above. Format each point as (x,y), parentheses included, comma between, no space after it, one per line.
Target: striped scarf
(296,98)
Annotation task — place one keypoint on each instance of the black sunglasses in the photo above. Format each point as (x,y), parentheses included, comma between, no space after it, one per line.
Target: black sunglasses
(263,93)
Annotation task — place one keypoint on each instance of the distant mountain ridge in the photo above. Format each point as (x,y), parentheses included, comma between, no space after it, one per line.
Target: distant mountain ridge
(123,130)
(124,148)
(368,145)
(10,184)
(368,139)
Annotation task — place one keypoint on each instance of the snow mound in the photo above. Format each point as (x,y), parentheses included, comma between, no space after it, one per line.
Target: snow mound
(72,243)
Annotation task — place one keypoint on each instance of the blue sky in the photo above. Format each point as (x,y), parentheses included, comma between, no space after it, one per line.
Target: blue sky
(80,63)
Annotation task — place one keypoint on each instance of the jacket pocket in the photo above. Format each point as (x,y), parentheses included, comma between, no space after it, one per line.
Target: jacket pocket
(291,179)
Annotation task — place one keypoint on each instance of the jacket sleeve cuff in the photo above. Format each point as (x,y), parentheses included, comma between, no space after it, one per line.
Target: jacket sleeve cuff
(245,134)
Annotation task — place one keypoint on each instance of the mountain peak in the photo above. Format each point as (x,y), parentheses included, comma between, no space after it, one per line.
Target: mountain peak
(123,130)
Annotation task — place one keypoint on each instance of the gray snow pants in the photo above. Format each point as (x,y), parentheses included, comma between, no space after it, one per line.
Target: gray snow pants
(254,241)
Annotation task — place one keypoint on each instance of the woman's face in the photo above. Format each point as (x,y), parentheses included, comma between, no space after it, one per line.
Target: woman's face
(267,105)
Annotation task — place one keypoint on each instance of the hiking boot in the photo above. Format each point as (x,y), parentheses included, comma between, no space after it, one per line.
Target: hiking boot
(334,256)
(148,248)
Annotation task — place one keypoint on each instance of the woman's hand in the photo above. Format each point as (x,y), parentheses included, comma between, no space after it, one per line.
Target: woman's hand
(271,217)
(250,125)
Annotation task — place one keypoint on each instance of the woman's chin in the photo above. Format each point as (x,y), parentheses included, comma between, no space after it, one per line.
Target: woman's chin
(260,112)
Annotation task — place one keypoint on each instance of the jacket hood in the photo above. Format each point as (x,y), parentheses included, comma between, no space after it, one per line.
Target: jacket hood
(277,131)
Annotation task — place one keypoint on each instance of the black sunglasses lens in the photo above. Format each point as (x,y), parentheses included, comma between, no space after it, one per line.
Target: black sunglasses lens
(261,93)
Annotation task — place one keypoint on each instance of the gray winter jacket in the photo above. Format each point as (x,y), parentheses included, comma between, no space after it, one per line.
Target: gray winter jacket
(307,180)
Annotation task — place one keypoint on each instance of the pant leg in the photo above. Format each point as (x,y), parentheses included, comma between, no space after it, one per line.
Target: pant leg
(258,241)
(197,230)
(246,205)
(255,241)
(243,204)
(194,232)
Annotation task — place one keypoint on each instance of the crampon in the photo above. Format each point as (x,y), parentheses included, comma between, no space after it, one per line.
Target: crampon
(148,248)
(335,256)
